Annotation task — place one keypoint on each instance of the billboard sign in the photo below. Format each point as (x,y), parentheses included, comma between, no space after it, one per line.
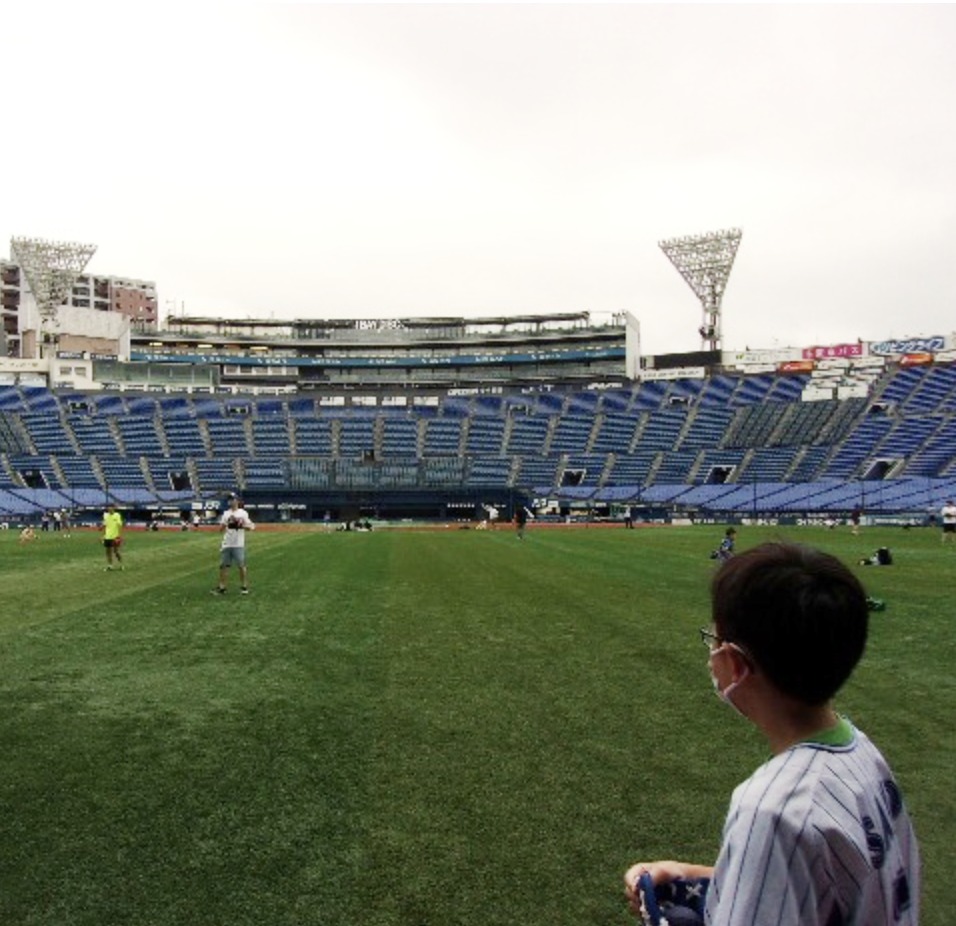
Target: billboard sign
(833,351)
(909,346)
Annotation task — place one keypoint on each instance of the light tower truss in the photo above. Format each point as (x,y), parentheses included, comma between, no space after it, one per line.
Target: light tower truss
(51,269)
(704,261)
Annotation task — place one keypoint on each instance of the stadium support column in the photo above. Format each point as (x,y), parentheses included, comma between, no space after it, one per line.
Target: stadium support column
(632,346)
(704,261)
(51,269)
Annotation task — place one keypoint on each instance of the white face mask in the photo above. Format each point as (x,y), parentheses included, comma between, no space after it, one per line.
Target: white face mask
(725,694)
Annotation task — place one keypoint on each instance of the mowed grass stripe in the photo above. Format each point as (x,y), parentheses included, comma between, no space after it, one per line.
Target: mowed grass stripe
(409,727)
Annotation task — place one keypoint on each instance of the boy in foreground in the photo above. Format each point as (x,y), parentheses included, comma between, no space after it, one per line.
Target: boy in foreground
(819,834)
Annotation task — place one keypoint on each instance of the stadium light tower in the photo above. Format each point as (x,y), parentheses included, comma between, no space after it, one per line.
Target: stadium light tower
(51,269)
(704,261)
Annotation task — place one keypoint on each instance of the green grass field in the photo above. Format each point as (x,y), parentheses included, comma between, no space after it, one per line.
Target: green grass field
(424,728)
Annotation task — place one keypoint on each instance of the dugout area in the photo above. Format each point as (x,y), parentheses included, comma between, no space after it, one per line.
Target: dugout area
(398,505)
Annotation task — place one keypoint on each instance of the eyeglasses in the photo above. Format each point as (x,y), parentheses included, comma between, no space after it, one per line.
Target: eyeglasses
(713,642)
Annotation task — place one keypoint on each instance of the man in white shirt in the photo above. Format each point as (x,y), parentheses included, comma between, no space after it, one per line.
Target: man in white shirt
(233,524)
(819,834)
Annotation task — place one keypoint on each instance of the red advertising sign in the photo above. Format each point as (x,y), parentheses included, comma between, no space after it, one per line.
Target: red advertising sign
(796,366)
(915,360)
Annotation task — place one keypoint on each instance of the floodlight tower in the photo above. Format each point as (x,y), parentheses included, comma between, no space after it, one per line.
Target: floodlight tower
(704,261)
(51,269)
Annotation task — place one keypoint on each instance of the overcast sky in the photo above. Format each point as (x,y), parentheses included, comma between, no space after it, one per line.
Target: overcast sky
(376,161)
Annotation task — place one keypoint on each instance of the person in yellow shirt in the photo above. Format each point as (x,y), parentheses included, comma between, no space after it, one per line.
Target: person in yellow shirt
(112,536)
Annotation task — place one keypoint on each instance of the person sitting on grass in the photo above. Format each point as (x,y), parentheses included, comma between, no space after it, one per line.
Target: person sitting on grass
(819,834)
(726,548)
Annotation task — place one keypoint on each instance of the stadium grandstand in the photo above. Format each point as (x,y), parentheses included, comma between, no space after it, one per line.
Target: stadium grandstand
(438,417)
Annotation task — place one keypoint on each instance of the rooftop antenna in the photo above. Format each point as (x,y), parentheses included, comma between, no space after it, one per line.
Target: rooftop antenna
(704,261)
(51,269)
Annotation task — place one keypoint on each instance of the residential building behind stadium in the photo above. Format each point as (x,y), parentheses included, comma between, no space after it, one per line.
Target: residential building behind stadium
(443,417)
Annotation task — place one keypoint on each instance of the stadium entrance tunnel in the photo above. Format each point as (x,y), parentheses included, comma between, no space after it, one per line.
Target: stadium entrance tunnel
(718,475)
(882,469)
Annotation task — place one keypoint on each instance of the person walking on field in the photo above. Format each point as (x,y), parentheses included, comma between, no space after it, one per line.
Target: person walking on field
(948,517)
(112,536)
(233,525)
(521,520)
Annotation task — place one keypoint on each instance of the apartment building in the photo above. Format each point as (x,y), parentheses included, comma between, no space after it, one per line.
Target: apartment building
(135,299)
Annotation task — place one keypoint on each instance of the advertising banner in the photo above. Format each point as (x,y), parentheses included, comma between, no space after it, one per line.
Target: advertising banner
(909,346)
(834,350)
(796,366)
(915,360)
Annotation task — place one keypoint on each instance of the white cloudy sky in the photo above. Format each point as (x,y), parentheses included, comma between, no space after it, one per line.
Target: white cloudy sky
(374,161)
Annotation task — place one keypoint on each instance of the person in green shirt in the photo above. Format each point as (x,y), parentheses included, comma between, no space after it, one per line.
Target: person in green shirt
(112,536)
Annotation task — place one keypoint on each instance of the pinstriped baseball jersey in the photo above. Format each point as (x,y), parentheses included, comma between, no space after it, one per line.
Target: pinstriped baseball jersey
(818,836)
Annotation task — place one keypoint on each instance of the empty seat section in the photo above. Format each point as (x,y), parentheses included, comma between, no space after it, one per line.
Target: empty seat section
(937,455)
(265,474)
(270,437)
(485,435)
(908,436)
(310,473)
(631,469)
(857,446)
(94,436)
(751,389)
(616,401)
(787,387)
(571,435)
(356,437)
(139,436)
(538,473)
(768,464)
(217,476)
(650,396)
(528,435)
(184,438)
(443,471)
(400,437)
(717,390)
(488,471)
(616,434)
(662,429)
(47,433)
(227,436)
(934,392)
(78,471)
(707,427)
(548,403)
(582,404)
(675,466)
(120,472)
(902,385)
(442,436)
(313,436)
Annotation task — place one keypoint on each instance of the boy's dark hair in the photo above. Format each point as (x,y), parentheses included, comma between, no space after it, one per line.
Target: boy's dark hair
(798,612)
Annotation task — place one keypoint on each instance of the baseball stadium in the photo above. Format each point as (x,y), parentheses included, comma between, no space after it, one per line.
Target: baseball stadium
(420,715)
